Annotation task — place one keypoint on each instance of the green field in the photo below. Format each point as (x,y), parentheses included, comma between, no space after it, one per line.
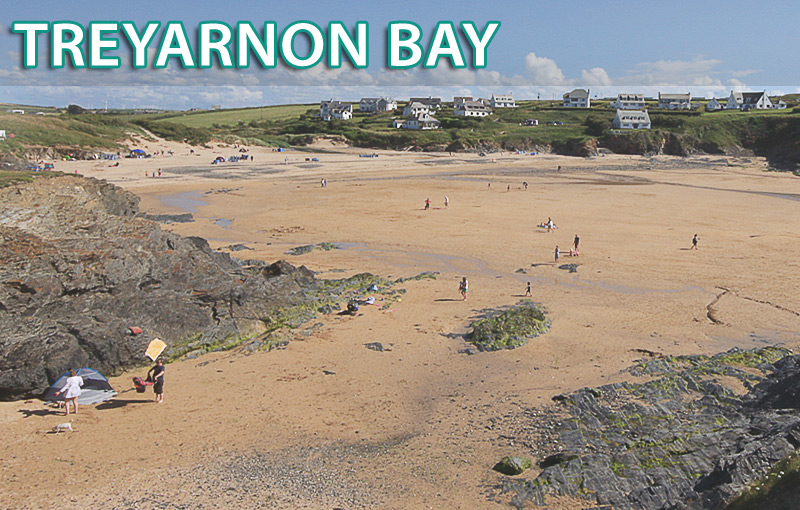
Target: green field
(206,119)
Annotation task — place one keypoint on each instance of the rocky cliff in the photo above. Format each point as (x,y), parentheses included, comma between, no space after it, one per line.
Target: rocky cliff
(79,267)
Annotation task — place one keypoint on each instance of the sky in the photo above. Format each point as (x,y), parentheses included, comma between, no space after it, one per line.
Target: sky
(541,50)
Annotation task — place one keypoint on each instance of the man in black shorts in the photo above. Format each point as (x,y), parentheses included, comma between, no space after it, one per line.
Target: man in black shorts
(158,379)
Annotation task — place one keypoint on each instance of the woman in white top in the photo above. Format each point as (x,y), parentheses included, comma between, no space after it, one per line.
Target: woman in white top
(72,390)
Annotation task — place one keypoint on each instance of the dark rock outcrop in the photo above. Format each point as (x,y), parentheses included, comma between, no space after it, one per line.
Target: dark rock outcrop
(692,437)
(79,266)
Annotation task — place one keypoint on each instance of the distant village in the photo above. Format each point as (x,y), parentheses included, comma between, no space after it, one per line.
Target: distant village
(420,112)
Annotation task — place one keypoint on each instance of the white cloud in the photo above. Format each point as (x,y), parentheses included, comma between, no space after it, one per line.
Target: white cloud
(595,77)
(543,70)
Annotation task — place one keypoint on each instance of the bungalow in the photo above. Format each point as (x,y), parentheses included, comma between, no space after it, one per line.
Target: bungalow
(629,102)
(749,101)
(422,121)
(503,101)
(714,105)
(432,102)
(578,98)
(675,101)
(335,110)
(415,108)
(631,119)
(377,104)
(472,109)
(780,105)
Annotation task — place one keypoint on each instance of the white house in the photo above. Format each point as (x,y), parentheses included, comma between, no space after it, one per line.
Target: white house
(472,109)
(432,102)
(377,104)
(578,98)
(2,134)
(421,121)
(714,105)
(335,110)
(631,119)
(780,105)
(749,101)
(629,102)
(503,101)
(415,108)
(675,101)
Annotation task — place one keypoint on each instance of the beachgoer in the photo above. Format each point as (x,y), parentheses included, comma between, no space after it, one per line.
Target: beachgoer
(528,290)
(322,183)
(508,188)
(525,185)
(427,203)
(71,390)
(463,287)
(159,172)
(557,253)
(575,243)
(695,239)
(446,201)
(156,374)
(490,185)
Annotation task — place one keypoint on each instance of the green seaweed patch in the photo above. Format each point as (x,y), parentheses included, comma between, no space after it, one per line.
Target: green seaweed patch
(308,248)
(427,275)
(510,328)
(776,489)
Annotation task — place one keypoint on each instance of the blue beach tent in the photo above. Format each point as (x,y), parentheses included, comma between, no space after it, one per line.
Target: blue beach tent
(95,388)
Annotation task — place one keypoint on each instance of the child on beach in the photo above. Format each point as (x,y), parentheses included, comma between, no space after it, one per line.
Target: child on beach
(557,253)
(463,287)
(71,390)
(528,290)
(695,239)
(427,203)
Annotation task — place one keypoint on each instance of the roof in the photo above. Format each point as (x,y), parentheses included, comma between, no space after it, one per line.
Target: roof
(633,116)
(674,97)
(473,106)
(503,97)
(577,94)
(426,100)
(747,97)
(630,97)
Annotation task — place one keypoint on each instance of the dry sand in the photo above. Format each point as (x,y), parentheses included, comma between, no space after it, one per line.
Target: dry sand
(327,423)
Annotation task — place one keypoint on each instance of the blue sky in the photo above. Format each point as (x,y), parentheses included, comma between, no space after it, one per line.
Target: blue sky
(542,49)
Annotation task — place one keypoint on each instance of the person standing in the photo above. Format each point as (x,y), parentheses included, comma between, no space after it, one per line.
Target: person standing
(528,290)
(156,374)
(446,201)
(695,240)
(427,203)
(576,242)
(71,390)
(463,287)
(557,254)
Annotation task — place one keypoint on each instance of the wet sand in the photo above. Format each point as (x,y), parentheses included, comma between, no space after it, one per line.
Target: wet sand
(328,423)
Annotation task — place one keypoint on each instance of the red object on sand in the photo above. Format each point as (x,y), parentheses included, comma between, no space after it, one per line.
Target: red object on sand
(135,331)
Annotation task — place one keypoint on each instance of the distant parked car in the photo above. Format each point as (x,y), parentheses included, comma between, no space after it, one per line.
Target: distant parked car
(555,123)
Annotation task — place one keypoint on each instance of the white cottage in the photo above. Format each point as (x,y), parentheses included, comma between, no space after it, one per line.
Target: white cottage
(631,119)
(578,98)
(414,108)
(714,105)
(432,102)
(472,109)
(629,102)
(675,101)
(749,101)
(335,110)
(503,101)
(377,104)
(422,121)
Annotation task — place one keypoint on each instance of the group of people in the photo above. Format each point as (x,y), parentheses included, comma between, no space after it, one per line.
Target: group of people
(74,382)
(446,202)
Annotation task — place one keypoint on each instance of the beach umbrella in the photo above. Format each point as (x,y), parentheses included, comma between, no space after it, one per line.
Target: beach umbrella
(95,389)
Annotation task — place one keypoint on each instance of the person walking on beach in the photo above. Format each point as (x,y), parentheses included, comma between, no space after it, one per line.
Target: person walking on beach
(528,290)
(557,254)
(576,242)
(463,287)
(446,201)
(71,390)
(427,203)
(525,185)
(695,239)
(156,374)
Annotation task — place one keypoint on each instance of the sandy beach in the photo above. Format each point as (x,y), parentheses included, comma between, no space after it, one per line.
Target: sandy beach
(328,423)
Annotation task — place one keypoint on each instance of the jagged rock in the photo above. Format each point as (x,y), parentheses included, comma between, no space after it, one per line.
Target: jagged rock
(78,266)
(375,346)
(512,465)
(681,440)
(508,328)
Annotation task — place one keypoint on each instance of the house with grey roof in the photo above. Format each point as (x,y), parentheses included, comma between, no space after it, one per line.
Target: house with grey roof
(629,102)
(578,98)
(331,109)
(422,121)
(433,102)
(675,101)
(503,101)
(631,119)
(377,104)
(415,108)
(472,109)
(749,101)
